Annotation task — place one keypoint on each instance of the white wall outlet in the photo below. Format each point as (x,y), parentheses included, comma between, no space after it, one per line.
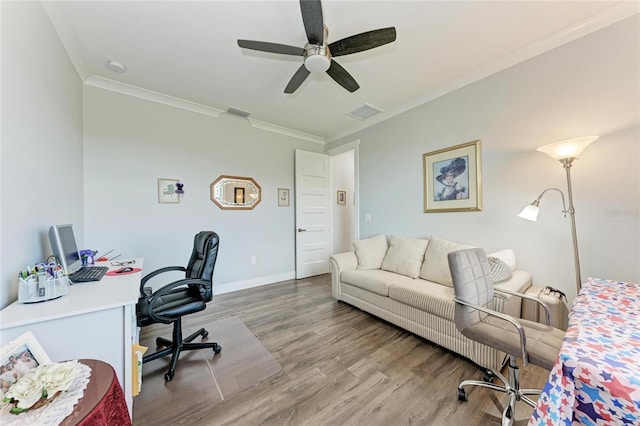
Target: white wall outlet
(367,217)
(253,260)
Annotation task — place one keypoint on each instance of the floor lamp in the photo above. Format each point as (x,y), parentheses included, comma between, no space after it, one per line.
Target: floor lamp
(565,152)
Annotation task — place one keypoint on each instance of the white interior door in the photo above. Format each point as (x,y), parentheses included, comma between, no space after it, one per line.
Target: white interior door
(313,214)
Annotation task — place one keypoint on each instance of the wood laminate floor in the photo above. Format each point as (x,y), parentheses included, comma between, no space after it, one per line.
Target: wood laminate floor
(340,366)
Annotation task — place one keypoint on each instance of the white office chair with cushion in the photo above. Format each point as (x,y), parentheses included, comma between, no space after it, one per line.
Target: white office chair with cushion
(474,317)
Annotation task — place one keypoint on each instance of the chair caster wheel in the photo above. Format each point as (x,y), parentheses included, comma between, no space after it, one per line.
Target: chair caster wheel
(204,334)
(488,376)
(217,349)
(168,377)
(462,395)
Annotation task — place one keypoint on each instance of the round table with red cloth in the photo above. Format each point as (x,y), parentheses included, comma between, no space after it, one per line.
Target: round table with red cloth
(103,402)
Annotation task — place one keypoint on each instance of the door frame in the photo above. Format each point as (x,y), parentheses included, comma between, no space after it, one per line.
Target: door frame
(355,146)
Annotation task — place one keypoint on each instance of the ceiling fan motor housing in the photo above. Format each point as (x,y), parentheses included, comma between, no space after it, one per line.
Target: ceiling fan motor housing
(317,58)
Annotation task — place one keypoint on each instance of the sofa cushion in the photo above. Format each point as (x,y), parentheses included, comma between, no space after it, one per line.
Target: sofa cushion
(370,252)
(436,264)
(376,281)
(424,295)
(404,256)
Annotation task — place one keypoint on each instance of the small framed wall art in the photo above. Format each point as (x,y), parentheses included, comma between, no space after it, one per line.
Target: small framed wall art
(283,197)
(167,191)
(342,197)
(452,179)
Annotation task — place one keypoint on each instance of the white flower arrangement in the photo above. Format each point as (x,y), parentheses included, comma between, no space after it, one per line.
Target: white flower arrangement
(41,385)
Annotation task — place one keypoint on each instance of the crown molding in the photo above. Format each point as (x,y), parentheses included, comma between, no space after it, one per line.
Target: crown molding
(149,95)
(285,131)
(608,17)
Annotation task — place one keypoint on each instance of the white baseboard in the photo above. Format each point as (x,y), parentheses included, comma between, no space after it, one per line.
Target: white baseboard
(254,282)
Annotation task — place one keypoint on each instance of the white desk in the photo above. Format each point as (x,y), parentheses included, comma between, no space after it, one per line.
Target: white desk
(95,320)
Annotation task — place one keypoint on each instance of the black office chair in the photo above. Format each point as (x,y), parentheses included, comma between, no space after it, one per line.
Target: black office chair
(183,297)
(534,343)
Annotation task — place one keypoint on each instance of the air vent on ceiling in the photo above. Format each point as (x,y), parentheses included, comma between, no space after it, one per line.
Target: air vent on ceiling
(238,112)
(364,112)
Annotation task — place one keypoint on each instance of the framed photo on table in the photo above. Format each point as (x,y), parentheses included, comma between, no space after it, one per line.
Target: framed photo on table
(18,357)
(452,179)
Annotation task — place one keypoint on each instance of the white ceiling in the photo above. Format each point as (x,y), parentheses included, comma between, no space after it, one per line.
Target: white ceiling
(188,52)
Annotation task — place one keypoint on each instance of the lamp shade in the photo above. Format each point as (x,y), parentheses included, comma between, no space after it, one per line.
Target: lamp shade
(530,212)
(567,149)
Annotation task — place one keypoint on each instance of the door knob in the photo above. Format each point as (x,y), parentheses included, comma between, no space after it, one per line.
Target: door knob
(302,230)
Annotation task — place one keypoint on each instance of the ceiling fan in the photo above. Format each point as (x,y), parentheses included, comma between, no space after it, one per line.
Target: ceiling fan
(317,54)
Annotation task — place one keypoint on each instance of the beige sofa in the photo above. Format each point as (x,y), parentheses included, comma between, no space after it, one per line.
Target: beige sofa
(407,282)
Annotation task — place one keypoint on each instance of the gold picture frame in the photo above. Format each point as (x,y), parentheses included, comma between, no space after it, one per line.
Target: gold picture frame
(453,179)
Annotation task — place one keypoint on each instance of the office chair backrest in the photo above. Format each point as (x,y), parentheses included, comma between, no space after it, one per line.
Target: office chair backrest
(203,259)
(472,283)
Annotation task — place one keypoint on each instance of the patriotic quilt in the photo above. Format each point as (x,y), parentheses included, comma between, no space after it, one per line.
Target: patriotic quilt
(596,378)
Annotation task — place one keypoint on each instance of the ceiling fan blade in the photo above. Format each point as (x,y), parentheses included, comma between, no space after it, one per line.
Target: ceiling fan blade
(297,79)
(342,77)
(312,19)
(264,46)
(363,41)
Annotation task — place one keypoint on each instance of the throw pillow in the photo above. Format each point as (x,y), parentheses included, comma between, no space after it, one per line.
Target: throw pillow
(404,256)
(500,271)
(370,252)
(436,263)
(507,256)
(502,264)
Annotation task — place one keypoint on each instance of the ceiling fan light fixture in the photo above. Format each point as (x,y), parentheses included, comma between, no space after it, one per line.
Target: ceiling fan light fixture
(316,58)
(317,63)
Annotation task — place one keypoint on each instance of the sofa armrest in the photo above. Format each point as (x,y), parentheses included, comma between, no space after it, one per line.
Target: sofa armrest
(341,262)
(518,283)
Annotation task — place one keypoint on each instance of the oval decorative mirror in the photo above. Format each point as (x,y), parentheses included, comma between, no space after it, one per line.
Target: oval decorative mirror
(235,192)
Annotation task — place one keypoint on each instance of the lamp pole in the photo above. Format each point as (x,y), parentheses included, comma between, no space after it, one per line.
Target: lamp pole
(566,163)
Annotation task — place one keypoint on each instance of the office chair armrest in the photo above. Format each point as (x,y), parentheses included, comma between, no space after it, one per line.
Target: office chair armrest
(166,289)
(156,273)
(162,271)
(528,297)
(504,317)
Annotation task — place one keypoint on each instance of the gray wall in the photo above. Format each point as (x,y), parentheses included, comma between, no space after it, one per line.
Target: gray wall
(589,86)
(41,163)
(131,142)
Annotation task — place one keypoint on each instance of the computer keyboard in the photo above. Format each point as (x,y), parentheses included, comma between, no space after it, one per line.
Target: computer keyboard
(88,273)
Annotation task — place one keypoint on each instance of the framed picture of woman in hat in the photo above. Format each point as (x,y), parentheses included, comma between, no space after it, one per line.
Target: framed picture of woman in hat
(452,181)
